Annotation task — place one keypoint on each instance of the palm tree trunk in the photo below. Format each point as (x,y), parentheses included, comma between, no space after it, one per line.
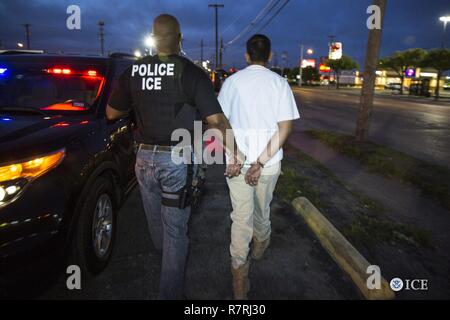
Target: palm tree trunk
(402,79)
(337,80)
(436,91)
(367,91)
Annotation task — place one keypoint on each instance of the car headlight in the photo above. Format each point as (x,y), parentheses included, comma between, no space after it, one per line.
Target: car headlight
(14,177)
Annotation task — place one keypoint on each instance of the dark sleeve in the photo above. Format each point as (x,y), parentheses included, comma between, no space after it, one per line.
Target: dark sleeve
(199,89)
(120,98)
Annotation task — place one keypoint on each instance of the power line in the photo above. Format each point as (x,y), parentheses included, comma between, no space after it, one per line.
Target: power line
(264,12)
(275,14)
(232,23)
(267,8)
(209,48)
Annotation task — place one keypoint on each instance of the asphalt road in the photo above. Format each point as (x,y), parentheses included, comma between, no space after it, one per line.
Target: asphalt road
(419,127)
(294,267)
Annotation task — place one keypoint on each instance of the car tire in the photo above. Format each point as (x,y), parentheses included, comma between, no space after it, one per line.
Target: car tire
(88,252)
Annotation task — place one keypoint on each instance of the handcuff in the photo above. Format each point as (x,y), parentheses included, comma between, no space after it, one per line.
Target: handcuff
(258,162)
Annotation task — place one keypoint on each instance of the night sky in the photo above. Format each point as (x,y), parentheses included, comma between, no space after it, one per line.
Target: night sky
(409,23)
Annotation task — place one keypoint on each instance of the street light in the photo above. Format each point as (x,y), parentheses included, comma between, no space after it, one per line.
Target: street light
(444,19)
(308,51)
(20,45)
(150,43)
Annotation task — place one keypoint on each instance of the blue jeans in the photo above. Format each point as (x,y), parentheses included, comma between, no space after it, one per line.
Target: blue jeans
(157,173)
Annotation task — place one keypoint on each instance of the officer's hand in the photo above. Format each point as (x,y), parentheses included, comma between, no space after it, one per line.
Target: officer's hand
(253,174)
(233,170)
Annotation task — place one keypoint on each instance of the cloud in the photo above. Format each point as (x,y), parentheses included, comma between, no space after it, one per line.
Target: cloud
(301,21)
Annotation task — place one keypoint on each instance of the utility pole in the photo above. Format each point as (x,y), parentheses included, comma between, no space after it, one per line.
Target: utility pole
(300,66)
(201,51)
(101,25)
(221,53)
(367,91)
(27,34)
(443,35)
(216,9)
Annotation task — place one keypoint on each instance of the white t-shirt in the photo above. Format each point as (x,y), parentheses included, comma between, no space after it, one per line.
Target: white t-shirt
(254,100)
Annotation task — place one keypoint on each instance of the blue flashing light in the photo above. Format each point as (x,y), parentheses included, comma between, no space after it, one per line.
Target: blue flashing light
(6,119)
(3,71)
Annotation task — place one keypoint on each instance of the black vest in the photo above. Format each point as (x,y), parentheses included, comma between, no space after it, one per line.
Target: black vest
(159,102)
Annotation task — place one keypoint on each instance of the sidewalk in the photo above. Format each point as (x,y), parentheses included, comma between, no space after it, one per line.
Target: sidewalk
(295,265)
(402,203)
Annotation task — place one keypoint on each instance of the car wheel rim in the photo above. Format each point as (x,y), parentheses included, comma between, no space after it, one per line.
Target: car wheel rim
(102,226)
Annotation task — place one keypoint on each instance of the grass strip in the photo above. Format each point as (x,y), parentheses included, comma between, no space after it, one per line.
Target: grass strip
(432,180)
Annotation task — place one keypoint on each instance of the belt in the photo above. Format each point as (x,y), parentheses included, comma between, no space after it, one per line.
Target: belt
(160,148)
(155,147)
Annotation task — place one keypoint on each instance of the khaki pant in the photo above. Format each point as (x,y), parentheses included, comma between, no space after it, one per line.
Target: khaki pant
(251,211)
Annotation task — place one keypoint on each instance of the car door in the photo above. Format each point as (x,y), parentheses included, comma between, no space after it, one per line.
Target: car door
(121,133)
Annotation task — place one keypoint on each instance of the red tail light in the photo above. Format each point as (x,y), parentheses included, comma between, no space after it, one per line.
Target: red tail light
(92,73)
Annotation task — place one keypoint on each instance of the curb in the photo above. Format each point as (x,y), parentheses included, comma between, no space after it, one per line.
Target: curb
(341,250)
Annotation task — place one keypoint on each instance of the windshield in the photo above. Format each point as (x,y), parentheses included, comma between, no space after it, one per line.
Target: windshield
(49,88)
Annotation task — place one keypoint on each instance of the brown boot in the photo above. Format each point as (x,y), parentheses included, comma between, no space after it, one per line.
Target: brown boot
(241,283)
(259,247)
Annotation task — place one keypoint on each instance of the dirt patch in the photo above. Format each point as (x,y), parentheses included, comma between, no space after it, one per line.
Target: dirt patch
(401,250)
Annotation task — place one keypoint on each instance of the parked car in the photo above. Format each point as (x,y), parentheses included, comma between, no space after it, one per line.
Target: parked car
(420,87)
(218,77)
(347,78)
(64,169)
(447,85)
(393,86)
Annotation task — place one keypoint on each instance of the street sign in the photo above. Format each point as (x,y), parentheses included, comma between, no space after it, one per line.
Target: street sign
(410,73)
(335,52)
(324,68)
(308,63)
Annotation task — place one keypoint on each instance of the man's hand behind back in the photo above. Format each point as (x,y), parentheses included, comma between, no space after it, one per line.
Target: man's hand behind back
(232,170)
(253,174)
